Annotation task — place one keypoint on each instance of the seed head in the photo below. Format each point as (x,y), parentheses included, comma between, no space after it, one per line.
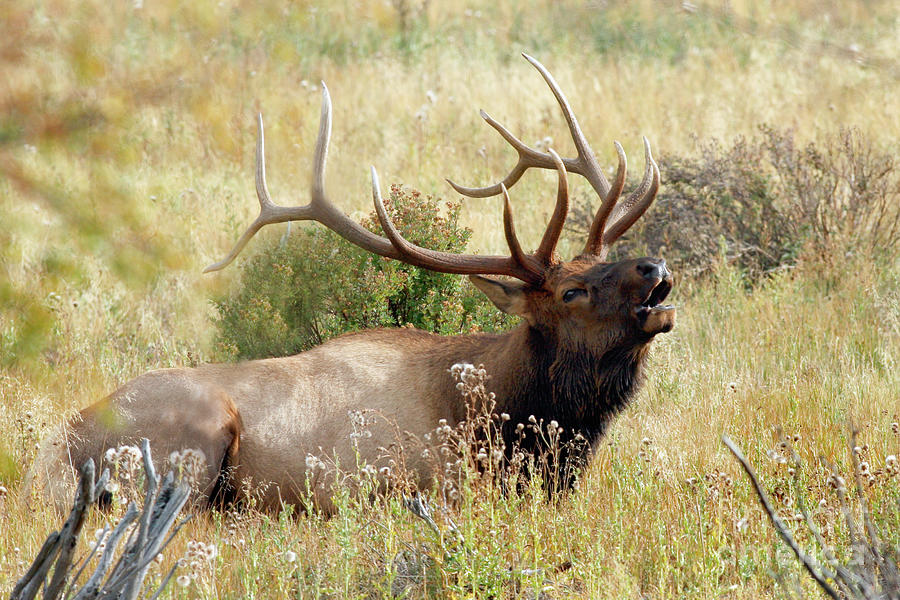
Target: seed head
(836,482)
(890,464)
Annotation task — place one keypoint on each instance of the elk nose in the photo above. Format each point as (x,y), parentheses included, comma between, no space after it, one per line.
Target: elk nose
(653,268)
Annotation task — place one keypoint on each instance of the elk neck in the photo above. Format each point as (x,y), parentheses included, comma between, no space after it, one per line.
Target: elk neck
(532,373)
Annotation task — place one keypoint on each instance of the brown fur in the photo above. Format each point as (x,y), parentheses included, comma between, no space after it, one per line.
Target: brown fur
(578,362)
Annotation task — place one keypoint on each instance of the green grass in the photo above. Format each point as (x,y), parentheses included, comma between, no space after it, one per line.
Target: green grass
(126,161)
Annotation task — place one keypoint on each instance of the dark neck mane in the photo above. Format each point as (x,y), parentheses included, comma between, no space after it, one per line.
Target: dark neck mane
(580,389)
(589,390)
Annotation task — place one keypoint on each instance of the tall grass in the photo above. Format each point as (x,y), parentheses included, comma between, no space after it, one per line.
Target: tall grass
(126,153)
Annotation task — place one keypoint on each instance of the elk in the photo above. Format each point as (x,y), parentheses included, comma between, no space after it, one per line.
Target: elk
(577,357)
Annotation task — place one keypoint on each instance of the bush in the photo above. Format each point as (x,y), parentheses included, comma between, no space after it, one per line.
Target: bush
(721,204)
(761,202)
(313,285)
(845,192)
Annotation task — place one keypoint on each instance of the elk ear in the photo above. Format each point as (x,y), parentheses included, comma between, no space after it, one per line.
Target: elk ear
(508,296)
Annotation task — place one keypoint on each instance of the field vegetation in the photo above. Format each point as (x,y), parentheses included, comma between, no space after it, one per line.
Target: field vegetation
(126,165)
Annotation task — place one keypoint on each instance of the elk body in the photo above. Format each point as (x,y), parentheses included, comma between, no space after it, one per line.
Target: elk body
(577,357)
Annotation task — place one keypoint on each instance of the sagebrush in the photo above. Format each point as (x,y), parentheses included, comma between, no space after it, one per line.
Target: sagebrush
(761,203)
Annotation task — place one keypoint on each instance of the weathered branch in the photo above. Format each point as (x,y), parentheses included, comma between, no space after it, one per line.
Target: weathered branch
(871,574)
(161,508)
(808,562)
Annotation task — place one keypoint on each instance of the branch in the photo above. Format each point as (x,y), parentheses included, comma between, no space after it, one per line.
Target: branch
(807,561)
(161,508)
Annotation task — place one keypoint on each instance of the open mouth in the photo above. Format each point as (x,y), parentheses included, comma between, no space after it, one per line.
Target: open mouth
(654,299)
(654,316)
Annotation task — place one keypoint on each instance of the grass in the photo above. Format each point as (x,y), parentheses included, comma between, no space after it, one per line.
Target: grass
(126,141)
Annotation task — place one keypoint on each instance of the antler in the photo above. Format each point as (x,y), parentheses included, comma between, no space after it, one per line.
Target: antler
(528,268)
(585,164)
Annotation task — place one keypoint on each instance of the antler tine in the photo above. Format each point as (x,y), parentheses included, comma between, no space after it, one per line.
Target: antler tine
(321,209)
(509,230)
(595,237)
(266,205)
(589,168)
(528,157)
(517,265)
(547,248)
(637,202)
(320,156)
(585,163)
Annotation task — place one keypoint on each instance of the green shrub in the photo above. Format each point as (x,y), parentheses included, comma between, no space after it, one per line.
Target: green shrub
(313,285)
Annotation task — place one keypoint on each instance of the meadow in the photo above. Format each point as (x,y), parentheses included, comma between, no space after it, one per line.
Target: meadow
(127,136)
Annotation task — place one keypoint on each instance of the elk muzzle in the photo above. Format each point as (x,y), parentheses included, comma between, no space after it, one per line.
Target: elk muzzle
(654,316)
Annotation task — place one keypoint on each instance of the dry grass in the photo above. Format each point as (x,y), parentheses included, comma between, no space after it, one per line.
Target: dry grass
(145,116)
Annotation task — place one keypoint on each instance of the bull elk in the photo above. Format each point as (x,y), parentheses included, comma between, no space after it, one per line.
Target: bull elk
(577,357)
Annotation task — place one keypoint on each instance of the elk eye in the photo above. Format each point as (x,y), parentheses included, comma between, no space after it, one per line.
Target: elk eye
(570,295)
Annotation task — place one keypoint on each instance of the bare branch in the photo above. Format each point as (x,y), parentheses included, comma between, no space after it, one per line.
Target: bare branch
(808,563)
(124,582)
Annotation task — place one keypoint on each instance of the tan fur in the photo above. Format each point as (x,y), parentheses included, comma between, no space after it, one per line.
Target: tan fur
(284,409)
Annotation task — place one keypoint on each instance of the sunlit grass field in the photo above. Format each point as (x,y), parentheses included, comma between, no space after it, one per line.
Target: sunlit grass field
(126,165)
